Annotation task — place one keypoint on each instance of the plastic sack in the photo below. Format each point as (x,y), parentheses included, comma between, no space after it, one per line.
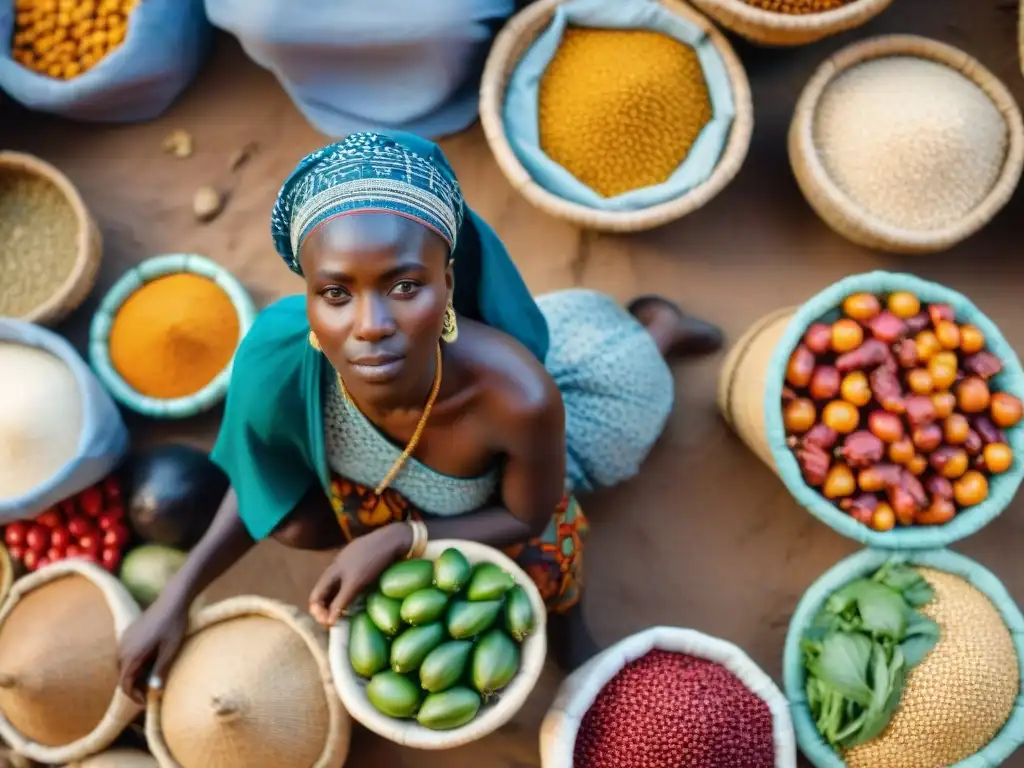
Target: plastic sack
(167,42)
(104,439)
(521,103)
(371,64)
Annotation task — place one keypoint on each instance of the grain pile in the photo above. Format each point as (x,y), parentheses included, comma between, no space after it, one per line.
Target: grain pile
(798,7)
(963,692)
(912,142)
(620,109)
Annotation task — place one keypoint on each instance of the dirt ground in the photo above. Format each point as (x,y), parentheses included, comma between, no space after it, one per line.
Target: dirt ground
(706,537)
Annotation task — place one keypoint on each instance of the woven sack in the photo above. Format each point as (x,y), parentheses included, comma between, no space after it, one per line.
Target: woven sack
(117,758)
(782,29)
(580,690)
(65,702)
(250,688)
(491,717)
(996,659)
(750,396)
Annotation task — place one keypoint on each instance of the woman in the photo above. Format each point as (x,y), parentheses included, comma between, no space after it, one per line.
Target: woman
(417,391)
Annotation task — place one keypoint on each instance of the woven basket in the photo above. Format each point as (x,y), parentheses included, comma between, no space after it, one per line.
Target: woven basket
(99,334)
(781,29)
(59,627)
(226,687)
(516,38)
(846,217)
(862,564)
(580,690)
(69,295)
(118,758)
(352,688)
(750,395)
(6,573)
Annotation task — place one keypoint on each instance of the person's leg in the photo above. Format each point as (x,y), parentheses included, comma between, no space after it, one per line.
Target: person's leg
(569,639)
(675,333)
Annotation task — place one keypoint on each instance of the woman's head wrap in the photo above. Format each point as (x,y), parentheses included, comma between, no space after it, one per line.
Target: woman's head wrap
(408,176)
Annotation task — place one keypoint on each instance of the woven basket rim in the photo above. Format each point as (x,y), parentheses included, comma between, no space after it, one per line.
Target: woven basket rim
(773,20)
(412,734)
(102,321)
(84,253)
(336,746)
(503,59)
(122,710)
(862,563)
(823,192)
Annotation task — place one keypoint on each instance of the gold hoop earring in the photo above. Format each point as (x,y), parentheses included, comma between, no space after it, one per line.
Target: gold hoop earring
(314,342)
(450,328)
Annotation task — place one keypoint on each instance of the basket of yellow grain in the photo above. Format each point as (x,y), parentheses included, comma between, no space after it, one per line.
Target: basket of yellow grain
(615,116)
(909,660)
(50,246)
(905,144)
(164,338)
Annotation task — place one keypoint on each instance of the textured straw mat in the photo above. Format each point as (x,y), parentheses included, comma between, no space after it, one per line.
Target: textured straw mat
(515,39)
(838,210)
(69,296)
(251,688)
(783,29)
(59,634)
(352,689)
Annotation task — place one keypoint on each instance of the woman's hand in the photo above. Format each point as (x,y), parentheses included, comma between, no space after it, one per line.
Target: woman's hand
(150,646)
(355,568)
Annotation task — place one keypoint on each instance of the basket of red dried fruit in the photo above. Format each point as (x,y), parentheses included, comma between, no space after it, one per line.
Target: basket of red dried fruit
(890,406)
(669,698)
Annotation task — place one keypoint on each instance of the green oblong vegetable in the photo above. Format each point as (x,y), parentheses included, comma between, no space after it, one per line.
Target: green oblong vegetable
(386,613)
(424,606)
(403,578)
(451,571)
(393,694)
(445,665)
(495,662)
(466,619)
(489,582)
(449,709)
(412,646)
(367,648)
(519,618)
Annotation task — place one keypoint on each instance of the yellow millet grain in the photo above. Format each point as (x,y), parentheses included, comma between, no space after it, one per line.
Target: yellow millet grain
(798,7)
(620,109)
(963,692)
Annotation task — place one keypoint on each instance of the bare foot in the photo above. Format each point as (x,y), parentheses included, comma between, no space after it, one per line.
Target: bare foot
(676,333)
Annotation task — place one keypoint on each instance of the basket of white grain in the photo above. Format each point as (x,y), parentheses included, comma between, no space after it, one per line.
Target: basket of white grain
(446,648)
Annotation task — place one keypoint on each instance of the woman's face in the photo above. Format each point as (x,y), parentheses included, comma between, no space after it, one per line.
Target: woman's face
(377,287)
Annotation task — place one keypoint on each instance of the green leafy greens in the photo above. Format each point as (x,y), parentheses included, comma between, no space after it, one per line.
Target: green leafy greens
(859,649)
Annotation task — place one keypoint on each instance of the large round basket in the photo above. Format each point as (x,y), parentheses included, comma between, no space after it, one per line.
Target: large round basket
(862,564)
(352,688)
(121,710)
(750,396)
(580,690)
(513,42)
(782,29)
(99,334)
(838,210)
(118,758)
(234,699)
(69,292)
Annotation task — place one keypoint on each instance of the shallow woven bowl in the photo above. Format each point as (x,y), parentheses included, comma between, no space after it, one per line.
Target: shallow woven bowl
(99,334)
(782,29)
(409,733)
(580,690)
(515,39)
(864,563)
(70,294)
(839,211)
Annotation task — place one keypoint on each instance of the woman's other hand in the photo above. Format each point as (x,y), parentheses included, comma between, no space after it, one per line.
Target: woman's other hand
(355,568)
(150,646)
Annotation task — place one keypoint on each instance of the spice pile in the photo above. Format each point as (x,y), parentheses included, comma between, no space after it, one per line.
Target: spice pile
(173,336)
(891,412)
(66,38)
(912,142)
(798,7)
(671,710)
(620,109)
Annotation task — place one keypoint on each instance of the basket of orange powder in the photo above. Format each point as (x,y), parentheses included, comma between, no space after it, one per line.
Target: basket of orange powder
(164,338)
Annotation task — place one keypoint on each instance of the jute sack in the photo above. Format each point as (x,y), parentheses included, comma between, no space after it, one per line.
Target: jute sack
(409,733)
(750,395)
(580,690)
(59,633)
